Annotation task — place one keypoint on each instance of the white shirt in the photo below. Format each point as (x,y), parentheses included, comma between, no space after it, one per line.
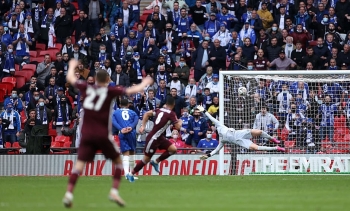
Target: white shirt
(281,26)
(284,103)
(205,57)
(126,17)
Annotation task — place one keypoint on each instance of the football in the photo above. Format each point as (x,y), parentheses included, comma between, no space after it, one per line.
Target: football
(242,91)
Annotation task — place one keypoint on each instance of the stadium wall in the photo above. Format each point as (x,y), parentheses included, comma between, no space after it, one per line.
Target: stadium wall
(61,165)
(293,164)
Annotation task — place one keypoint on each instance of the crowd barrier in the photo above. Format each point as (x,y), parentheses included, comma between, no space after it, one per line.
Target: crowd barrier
(62,165)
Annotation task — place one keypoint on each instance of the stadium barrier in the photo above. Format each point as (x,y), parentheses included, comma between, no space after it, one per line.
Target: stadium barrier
(62,165)
(292,164)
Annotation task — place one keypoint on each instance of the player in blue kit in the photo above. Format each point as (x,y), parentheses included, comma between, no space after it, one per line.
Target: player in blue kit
(125,120)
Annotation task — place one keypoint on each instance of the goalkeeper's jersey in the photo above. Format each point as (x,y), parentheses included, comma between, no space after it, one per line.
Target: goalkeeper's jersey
(226,134)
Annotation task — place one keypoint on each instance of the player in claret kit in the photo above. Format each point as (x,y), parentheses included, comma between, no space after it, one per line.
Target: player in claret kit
(238,137)
(156,138)
(96,131)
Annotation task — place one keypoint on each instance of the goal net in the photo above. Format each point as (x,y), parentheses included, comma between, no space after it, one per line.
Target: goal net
(308,111)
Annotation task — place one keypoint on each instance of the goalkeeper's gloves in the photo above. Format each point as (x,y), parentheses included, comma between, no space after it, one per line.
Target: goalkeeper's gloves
(204,157)
(201,108)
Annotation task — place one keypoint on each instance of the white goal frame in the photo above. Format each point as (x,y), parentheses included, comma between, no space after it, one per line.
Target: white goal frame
(256,73)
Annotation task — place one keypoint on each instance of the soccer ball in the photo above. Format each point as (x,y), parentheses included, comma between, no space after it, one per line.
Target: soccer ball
(242,91)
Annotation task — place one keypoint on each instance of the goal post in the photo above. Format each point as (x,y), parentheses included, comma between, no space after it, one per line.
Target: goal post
(315,134)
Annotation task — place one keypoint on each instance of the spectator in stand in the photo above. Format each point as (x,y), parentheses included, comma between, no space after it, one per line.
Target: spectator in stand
(51,93)
(261,63)
(45,23)
(179,102)
(32,28)
(185,48)
(162,91)
(311,57)
(274,31)
(176,83)
(247,32)
(80,25)
(326,113)
(322,51)
(191,90)
(344,56)
(192,105)
(58,8)
(70,9)
(298,55)
(289,47)
(84,72)
(119,29)
(43,114)
(43,69)
(150,54)
(63,25)
(283,63)
(211,26)
(21,42)
(217,57)
(200,60)
(67,47)
(248,49)
(94,15)
(12,131)
(8,59)
(130,72)
(169,61)
(199,14)
(183,23)
(177,141)
(213,109)
(61,117)
(273,50)
(183,71)
(280,18)
(27,86)
(207,144)
(197,128)
(332,42)
(262,41)
(6,38)
(126,13)
(186,117)
(214,86)
(169,39)
(284,99)
(15,100)
(120,78)
(79,55)
(302,35)
(265,16)
(263,120)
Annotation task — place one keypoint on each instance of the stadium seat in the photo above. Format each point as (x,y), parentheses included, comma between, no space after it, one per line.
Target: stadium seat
(289,144)
(25,73)
(7,86)
(20,81)
(75,17)
(38,59)
(62,139)
(33,54)
(75,4)
(16,67)
(43,53)
(40,47)
(56,145)
(7,145)
(313,43)
(73,40)
(2,95)
(23,116)
(58,46)
(11,80)
(31,67)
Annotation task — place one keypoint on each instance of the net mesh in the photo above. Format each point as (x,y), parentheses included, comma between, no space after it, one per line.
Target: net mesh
(308,113)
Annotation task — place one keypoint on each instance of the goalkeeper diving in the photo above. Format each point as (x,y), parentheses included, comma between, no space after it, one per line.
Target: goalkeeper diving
(238,137)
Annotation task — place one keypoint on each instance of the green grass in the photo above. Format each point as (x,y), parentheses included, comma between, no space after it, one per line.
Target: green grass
(181,193)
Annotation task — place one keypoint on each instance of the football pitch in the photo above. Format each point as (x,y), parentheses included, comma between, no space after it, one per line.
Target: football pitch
(181,193)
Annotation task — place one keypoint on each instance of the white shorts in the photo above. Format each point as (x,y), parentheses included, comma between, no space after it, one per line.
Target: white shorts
(238,137)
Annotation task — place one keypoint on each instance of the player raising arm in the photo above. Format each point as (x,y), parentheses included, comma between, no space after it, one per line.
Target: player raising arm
(239,137)
(96,127)
(156,139)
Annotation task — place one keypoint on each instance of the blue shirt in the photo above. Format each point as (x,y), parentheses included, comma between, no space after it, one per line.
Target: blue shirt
(204,143)
(123,118)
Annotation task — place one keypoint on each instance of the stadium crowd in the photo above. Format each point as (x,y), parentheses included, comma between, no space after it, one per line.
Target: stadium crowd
(183,46)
